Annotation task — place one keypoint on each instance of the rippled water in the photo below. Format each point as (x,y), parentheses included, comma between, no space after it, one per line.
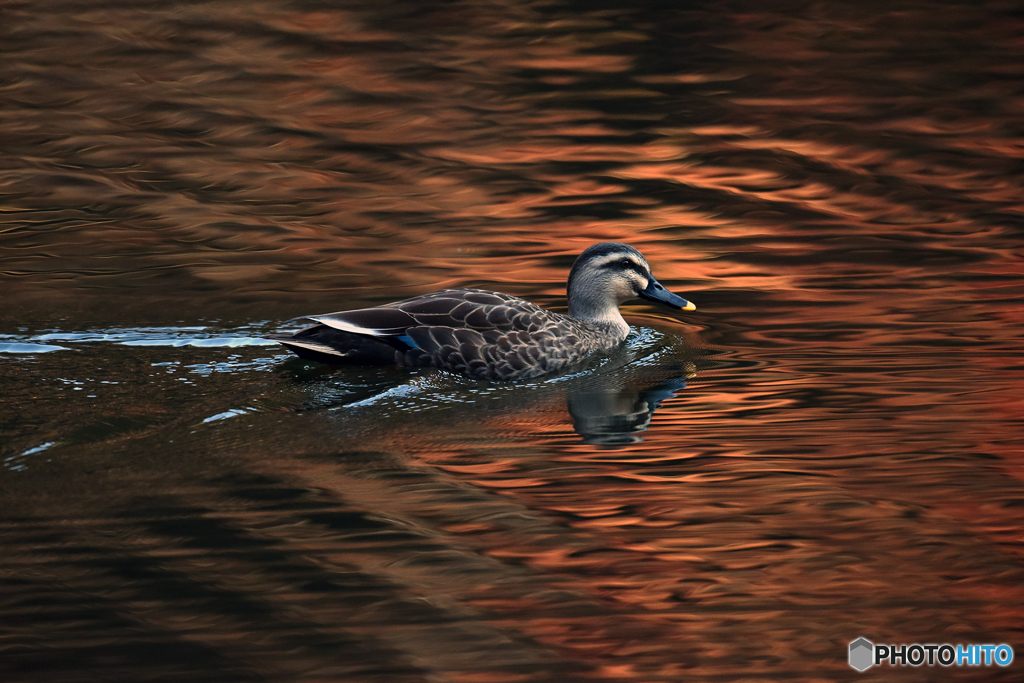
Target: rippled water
(831,446)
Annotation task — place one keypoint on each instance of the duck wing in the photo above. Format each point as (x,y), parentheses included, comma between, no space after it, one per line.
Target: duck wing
(482,334)
(451,308)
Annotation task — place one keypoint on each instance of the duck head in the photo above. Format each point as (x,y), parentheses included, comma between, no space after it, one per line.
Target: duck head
(609,274)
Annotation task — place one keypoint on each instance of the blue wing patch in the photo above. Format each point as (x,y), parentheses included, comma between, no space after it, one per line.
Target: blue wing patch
(407,340)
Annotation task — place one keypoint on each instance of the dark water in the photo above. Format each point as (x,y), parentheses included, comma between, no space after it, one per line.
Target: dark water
(832,446)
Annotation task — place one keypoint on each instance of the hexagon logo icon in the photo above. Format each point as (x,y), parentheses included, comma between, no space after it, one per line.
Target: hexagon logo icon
(862,652)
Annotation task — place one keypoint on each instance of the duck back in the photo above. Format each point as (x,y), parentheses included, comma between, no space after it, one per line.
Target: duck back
(474,332)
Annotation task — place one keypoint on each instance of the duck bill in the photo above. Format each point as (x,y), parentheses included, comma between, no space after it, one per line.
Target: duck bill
(655,292)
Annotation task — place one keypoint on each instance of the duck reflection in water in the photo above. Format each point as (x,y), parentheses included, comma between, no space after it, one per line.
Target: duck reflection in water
(612,405)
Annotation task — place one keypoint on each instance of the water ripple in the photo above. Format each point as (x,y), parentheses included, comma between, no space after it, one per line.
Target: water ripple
(196,336)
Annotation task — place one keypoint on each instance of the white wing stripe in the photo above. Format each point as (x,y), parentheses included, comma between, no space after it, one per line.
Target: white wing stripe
(313,346)
(354,329)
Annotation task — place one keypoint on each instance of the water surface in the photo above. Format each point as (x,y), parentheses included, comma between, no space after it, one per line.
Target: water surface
(829,447)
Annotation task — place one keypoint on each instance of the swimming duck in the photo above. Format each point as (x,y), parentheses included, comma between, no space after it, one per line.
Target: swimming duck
(489,335)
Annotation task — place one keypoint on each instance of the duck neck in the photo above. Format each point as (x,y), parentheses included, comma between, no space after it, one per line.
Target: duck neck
(605,319)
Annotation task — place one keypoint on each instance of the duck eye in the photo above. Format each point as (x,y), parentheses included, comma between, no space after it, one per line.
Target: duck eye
(626,263)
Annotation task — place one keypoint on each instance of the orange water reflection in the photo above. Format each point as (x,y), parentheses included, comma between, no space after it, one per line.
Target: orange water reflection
(837,188)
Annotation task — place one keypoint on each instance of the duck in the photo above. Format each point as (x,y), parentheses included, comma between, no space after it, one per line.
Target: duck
(489,335)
